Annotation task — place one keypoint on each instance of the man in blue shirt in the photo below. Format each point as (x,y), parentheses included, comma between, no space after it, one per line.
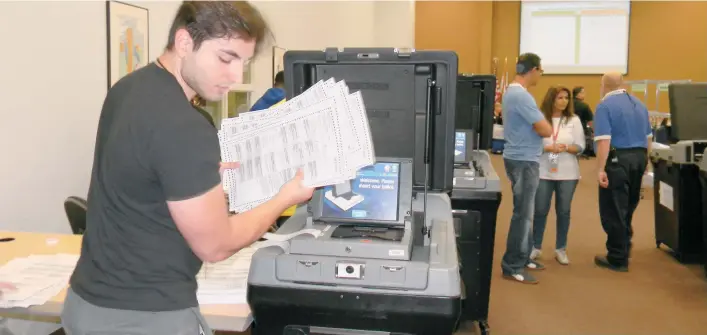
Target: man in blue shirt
(623,137)
(524,129)
(273,95)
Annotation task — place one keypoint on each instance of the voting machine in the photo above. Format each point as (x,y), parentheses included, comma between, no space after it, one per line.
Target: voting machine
(677,188)
(386,260)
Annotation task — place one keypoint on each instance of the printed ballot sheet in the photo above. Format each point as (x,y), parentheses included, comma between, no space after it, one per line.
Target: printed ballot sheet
(226,282)
(37,278)
(324,131)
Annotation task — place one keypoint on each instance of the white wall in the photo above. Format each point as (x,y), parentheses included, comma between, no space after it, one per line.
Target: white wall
(316,25)
(53,81)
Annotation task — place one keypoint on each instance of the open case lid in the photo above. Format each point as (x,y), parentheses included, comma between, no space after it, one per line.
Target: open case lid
(476,97)
(399,89)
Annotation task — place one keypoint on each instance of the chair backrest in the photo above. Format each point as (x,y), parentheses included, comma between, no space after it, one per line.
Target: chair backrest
(75,208)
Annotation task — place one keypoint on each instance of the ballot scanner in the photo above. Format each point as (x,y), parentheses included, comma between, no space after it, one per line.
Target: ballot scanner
(677,189)
(476,194)
(386,259)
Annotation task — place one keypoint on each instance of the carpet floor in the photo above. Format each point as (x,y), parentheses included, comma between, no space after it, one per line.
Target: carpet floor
(657,296)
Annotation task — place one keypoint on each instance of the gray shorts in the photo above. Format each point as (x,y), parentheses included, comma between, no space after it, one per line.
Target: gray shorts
(79,317)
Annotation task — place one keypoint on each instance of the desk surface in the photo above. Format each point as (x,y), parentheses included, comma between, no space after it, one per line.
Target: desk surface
(219,317)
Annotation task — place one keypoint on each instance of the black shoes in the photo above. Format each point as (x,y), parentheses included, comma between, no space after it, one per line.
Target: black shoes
(601,261)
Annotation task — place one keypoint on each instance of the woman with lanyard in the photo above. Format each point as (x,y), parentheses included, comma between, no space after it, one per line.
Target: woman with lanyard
(559,170)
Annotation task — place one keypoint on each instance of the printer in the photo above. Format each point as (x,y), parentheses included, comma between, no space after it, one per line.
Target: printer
(677,190)
(386,259)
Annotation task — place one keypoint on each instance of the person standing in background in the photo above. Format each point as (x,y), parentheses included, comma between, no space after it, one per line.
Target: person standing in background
(559,170)
(581,108)
(272,96)
(584,112)
(623,135)
(524,128)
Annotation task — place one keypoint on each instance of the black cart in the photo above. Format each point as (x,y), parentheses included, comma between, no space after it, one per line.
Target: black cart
(474,212)
(678,200)
(703,183)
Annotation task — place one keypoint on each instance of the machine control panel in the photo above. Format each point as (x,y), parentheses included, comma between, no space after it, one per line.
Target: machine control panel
(350,270)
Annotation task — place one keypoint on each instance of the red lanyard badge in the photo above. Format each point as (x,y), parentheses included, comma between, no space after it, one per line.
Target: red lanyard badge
(557,132)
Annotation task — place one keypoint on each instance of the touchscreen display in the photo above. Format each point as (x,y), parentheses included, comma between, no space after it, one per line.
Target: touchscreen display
(372,195)
(460,147)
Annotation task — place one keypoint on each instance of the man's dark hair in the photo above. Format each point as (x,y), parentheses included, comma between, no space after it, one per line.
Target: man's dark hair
(527,62)
(576,90)
(206,20)
(280,78)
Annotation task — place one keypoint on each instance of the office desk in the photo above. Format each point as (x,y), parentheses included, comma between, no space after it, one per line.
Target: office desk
(220,317)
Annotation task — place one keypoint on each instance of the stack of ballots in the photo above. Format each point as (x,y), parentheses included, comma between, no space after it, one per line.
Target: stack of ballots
(226,282)
(324,131)
(37,279)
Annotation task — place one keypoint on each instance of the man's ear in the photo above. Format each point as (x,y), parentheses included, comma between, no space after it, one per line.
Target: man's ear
(183,43)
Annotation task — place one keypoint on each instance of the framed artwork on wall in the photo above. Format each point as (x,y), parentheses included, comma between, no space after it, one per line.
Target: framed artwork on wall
(128,28)
(278,60)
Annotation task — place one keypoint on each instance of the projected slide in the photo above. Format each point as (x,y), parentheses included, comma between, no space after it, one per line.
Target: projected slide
(577,37)
(373,195)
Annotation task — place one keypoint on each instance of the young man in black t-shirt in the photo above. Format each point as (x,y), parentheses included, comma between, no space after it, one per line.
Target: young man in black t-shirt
(156,206)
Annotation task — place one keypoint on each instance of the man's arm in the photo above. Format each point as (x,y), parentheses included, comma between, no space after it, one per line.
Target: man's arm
(529,111)
(649,135)
(602,135)
(185,157)
(213,236)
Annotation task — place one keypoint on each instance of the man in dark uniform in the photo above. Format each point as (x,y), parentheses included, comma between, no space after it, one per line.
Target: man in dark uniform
(623,135)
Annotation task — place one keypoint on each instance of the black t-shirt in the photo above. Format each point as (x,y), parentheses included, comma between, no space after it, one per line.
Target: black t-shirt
(151,146)
(582,110)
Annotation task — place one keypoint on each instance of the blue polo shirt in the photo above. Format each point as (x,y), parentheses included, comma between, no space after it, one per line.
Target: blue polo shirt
(520,112)
(624,120)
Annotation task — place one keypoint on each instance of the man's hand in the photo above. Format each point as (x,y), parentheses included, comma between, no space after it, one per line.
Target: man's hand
(603,179)
(227,166)
(561,148)
(294,192)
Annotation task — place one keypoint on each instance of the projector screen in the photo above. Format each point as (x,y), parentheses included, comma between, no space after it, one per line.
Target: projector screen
(577,37)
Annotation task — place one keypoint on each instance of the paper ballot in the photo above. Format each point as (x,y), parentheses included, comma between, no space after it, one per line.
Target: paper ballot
(324,131)
(226,282)
(37,279)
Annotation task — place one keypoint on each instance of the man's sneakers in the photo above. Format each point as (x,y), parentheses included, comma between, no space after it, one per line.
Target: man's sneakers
(560,255)
(535,254)
(523,277)
(533,265)
(601,261)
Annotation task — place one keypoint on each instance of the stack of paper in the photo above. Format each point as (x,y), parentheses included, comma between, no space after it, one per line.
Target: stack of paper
(226,282)
(323,131)
(37,279)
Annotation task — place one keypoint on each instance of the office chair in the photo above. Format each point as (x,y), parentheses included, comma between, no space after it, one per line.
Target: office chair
(75,208)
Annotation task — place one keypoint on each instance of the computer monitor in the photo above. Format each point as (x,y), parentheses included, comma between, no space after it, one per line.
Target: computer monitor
(380,194)
(462,152)
(688,111)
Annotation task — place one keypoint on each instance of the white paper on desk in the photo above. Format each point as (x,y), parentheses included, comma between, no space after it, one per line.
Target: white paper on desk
(37,278)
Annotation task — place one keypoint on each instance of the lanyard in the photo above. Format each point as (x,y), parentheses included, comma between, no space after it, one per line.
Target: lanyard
(554,136)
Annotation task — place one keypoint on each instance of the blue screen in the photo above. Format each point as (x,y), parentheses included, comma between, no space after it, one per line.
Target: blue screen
(460,147)
(375,195)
